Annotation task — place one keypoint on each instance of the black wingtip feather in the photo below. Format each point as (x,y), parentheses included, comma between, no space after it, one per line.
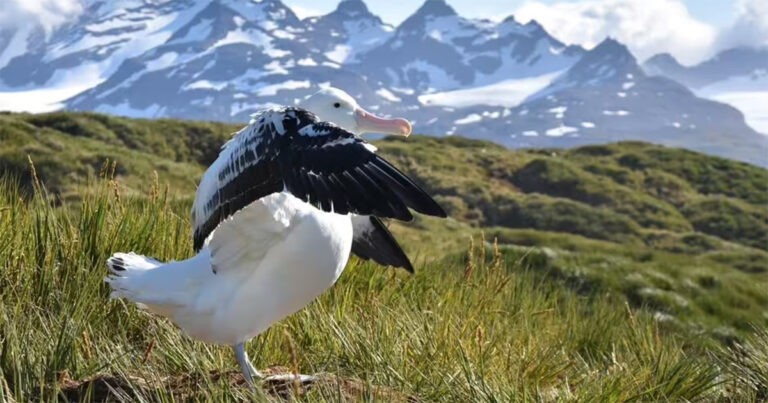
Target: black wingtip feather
(412,194)
(116,264)
(378,244)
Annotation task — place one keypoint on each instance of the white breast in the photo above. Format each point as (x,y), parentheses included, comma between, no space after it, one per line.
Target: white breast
(272,259)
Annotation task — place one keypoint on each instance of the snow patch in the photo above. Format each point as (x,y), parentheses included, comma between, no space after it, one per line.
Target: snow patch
(559,111)
(437,75)
(508,93)
(238,107)
(16,46)
(205,85)
(749,94)
(276,53)
(339,53)
(66,85)
(125,109)
(308,61)
(276,68)
(561,131)
(270,90)
(472,118)
(162,62)
(405,91)
(388,95)
(620,112)
(41,100)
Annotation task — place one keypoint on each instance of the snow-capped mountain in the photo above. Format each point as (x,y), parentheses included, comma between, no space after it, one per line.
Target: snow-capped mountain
(228,58)
(346,32)
(606,96)
(730,63)
(107,34)
(737,76)
(223,59)
(436,49)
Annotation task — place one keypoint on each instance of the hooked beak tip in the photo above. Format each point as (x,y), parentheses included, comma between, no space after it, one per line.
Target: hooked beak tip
(370,123)
(406,128)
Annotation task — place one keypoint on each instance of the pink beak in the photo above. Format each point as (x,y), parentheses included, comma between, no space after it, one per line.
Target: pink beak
(370,123)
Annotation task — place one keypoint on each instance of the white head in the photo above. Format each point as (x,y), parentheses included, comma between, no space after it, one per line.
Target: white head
(338,107)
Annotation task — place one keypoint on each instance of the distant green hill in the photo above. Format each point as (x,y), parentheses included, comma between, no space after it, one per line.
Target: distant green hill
(68,148)
(680,233)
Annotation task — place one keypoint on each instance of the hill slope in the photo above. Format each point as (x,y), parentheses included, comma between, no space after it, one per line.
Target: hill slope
(659,225)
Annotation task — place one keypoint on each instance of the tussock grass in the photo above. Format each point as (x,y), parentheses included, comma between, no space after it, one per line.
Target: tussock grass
(485,326)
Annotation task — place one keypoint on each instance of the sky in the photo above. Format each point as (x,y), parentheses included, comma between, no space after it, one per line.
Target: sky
(715,12)
(691,30)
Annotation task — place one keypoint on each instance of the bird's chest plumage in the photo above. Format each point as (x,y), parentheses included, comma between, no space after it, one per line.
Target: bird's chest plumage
(297,253)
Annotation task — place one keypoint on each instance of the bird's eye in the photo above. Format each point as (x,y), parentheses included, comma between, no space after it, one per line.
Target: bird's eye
(337,104)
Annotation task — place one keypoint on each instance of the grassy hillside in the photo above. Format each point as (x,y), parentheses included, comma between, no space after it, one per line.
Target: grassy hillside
(67,149)
(484,324)
(620,271)
(614,192)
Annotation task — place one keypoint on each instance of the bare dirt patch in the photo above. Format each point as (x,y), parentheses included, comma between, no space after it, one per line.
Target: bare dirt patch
(110,388)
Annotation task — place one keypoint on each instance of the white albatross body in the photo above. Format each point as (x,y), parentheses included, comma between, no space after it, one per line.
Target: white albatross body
(262,272)
(275,218)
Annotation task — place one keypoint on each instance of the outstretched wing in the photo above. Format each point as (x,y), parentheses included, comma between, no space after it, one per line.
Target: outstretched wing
(288,149)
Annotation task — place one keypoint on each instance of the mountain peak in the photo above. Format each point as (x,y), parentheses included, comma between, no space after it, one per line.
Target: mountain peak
(509,19)
(726,65)
(610,45)
(352,8)
(609,61)
(664,58)
(663,63)
(533,24)
(610,51)
(435,8)
(429,10)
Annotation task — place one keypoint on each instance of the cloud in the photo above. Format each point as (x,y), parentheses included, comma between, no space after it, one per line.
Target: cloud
(304,12)
(46,13)
(749,28)
(646,27)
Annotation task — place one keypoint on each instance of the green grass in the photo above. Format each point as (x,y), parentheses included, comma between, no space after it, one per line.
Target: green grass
(483,325)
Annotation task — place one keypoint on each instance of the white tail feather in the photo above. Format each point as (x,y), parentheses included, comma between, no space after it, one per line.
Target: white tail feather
(159,287)
(126,270)
(120,263)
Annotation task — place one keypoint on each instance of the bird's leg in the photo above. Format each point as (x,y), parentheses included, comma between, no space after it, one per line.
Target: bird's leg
(249,372)
(280,384)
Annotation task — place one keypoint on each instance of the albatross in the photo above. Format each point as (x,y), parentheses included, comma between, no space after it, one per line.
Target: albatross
(275,218)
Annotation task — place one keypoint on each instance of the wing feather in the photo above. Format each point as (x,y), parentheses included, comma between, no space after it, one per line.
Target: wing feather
(373,241)
(288,149)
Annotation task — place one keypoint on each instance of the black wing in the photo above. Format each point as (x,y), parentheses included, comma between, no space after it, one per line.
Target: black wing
(318,162)
(372,240)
